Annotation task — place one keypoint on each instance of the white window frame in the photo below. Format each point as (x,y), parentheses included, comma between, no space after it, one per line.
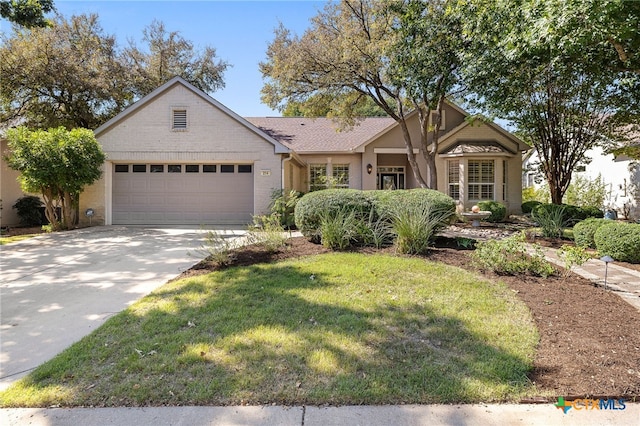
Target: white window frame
(453,176)
(317,176)
(481,175)
(340,175)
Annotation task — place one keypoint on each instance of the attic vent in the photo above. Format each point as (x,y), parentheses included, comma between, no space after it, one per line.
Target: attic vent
(179,119)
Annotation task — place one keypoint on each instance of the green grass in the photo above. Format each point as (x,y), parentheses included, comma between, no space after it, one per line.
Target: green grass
(339,328)
(13,239)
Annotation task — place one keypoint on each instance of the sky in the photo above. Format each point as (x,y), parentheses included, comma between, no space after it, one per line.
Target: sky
(240,31)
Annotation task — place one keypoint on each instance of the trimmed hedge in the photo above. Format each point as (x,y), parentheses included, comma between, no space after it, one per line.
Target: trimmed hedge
(620,240)
(498,210)
(367,205)
(528,206)
(311,206)
(593,212)
(584,231)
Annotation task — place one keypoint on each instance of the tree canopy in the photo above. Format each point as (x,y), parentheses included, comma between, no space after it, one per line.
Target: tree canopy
(73,74)
(58,164)
(552,69)
(28,13)
(348,58)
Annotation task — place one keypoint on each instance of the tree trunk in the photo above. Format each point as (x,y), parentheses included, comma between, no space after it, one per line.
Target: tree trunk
(410,155)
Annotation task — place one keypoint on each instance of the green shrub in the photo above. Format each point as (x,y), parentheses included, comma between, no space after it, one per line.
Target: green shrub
(572,256)
(416,225)
(29,210)
(284,204)
(590,211)
(338,229)
(510,256)
(498,210)
(312,206)
(570,214)
(371,209)
(620,240)
(551,219)
(268,233)
(583,232)
(528,206)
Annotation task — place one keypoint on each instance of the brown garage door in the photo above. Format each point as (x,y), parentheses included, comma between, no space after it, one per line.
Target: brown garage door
(176,194)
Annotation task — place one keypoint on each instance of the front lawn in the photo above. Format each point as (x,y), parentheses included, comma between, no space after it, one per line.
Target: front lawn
(337,328)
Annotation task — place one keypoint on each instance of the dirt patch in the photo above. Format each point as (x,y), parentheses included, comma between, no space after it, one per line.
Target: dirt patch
(589,338)
(12,232)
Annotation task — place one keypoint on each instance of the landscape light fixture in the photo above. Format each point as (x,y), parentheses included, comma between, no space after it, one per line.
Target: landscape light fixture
(606,260)
(369,168)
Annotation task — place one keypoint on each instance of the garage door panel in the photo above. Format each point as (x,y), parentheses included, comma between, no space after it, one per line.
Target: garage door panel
(182,198)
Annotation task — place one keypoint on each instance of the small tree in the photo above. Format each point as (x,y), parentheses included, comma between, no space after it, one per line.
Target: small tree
(57,163)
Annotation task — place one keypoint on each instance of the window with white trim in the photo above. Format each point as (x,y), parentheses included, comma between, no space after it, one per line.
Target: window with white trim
(481,178)
(340,175)
(179,119)
(454,179)
(317,177)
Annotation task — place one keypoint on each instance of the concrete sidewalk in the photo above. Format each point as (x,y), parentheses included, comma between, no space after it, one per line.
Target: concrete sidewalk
(624,281)
(433,415)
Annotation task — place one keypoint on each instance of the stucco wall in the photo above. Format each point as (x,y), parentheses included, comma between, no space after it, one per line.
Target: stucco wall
(9,190)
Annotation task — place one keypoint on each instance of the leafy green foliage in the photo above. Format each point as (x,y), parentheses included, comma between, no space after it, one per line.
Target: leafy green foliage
(532,193)
(57,163)
(551,219)
(510,256)
(416,225)
(584,231)
(586,192)
(28,209)
(620,240)
(267,232)
(28,13)
(572,256)
(498,210)
(528,206)
(284,204)
(338,228)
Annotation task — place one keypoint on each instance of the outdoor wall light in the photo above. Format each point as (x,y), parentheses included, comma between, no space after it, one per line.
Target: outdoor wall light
(369,168)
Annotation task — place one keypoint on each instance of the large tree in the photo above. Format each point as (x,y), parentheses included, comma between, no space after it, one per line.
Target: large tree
(168,54)
(28,13)
(348,57)
(66,75)
(58,164)
(564,92)
(72,74)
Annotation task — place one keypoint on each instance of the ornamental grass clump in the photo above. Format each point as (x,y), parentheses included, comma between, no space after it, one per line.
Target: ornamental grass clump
(416,225)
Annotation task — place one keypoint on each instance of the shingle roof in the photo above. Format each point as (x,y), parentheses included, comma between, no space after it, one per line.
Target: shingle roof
(472,147)
(305,135)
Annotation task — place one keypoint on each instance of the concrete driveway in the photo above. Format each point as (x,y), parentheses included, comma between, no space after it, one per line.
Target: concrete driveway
(57,288)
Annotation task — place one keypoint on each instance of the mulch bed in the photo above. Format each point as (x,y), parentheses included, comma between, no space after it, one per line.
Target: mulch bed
(589,338)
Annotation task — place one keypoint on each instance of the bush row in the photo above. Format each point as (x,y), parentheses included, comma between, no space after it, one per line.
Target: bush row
(620,240)
(342,217)
(571,214)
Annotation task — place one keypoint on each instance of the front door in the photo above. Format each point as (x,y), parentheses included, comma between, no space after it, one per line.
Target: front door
(388,181)
(391,178)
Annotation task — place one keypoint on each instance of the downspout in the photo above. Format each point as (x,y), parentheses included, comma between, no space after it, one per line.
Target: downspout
(285,160)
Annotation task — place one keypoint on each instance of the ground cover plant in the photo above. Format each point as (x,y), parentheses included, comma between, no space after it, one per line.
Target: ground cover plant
(334,328)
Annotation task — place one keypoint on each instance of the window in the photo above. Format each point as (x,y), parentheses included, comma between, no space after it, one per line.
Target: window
(317,177)
(340,175)
(244,168)
(139,168)
(174,168)
(454,179)
(179,119)
(481,176)
(227,168)
(209,168)
(157,168)
(192,168)
(122,168)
